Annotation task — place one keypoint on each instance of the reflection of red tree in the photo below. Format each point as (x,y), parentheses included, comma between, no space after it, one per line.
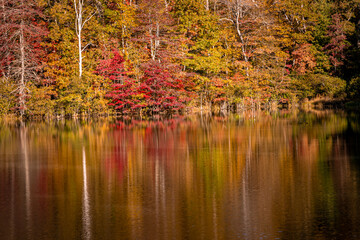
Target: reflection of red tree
(118,160)
(309,148)
(159,141)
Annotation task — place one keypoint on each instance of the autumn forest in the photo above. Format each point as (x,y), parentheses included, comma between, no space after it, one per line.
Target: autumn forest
(61,58)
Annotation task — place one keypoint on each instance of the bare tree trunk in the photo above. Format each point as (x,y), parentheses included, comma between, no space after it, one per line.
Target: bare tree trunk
(7,73)
(22,86)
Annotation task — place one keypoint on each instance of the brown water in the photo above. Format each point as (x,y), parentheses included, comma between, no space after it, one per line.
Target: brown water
(248,176)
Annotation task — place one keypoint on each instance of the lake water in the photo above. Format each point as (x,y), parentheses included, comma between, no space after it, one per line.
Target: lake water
(255,175)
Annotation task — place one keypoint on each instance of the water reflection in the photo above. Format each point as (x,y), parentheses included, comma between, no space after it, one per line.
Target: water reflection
(86,205)
(24,149)
(249,176)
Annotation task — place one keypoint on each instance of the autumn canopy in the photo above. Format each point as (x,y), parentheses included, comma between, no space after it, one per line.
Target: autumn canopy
(71,57)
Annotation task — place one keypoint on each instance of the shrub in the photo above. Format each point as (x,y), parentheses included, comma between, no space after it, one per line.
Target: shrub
(312,85)
(354,88)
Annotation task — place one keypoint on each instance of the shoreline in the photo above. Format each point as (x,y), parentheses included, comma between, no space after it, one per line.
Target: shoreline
(313,105)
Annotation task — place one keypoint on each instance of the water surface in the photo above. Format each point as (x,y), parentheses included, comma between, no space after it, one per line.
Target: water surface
(255,175)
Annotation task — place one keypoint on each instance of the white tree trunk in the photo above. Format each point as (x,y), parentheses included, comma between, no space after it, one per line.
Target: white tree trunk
(237,14)
(123,38)
(155,42)
(80,54)
(243,44)
(79,25)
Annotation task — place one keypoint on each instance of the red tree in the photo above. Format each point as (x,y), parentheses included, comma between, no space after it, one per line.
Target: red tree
(337,46)
(304,59)
(124,91)
(161,90)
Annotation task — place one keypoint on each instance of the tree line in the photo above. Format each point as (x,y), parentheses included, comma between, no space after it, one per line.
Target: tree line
(69,57)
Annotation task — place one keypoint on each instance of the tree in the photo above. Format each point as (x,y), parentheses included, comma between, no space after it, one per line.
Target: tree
(124,94)
(338,42)
(21,31)
(203,51)
(244,16)
(80,21)
(161,90)
(153,28)
(303,59)
(119,19)
(74,94)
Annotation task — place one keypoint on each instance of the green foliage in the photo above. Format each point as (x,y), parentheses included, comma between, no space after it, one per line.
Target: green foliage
(40,103)
(119,21)
(354,88)
(85,95)
(313,85)
(7,98)
(205,52)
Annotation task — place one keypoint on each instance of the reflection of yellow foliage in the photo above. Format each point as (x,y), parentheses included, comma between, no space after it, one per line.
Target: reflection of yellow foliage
(187,173)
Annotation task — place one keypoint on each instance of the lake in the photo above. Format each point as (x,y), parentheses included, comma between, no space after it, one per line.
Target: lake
(253,175)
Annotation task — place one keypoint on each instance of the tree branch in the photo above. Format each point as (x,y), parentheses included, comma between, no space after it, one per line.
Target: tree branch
(87,19)
(86,46)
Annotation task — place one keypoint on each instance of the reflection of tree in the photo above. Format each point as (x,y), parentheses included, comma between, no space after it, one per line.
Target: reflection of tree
(86,218)
(200,177)
(24,150)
